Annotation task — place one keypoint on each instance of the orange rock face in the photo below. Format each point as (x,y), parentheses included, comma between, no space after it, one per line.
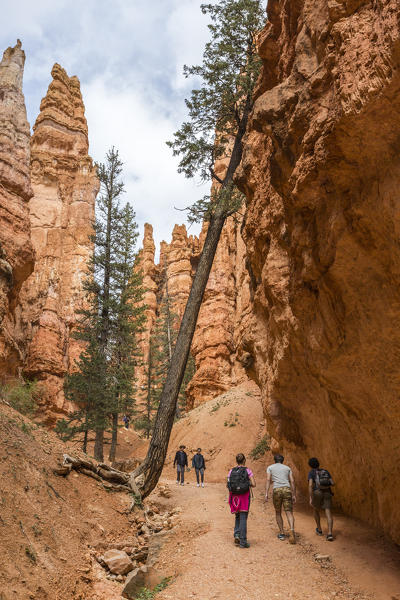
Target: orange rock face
(320,172)
(215,341)
(16,252)
(64,185)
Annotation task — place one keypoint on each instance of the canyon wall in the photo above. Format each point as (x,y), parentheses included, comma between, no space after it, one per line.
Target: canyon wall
(225,305)
(321,171)
(16,251)
(64,186)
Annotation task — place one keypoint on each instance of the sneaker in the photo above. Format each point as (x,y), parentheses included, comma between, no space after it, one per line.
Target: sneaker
(318,531)
(198,485)
(329,537)
(236,540)
(245,545)
(177,483)
(182,483)
(281,536)
(202,485)
(292,537)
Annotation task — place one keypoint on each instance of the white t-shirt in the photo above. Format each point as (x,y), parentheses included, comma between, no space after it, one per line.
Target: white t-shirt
(279,475)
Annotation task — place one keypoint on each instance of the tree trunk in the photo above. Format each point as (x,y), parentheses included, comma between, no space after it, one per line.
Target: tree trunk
(177,412)
(114,436)
(85,439)
(153,464)
(154,461)
(98,445)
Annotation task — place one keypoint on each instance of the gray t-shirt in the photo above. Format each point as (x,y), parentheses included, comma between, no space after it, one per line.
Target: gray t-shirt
(279,475)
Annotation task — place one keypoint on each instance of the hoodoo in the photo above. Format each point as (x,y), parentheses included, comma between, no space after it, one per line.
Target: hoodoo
(64,185)
(16,252)
(320,171)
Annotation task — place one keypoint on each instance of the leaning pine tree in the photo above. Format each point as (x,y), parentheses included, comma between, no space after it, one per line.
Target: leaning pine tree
(218,115)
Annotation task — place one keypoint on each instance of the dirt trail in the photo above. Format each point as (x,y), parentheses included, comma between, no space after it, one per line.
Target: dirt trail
(209,566)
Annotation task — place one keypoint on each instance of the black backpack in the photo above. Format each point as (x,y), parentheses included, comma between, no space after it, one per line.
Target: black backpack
(239,481)
(322,479)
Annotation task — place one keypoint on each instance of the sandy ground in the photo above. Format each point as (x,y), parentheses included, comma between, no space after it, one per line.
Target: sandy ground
(206,565)
(49,524)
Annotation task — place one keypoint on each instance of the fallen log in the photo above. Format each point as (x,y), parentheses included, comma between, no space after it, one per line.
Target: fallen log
(111,479)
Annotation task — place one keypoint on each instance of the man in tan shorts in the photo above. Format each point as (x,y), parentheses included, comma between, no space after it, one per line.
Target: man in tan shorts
(284,494)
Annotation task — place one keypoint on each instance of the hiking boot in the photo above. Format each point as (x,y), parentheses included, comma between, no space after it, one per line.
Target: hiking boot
(318,531)
(292,537)
(281,536)
(236,540)
(245,545)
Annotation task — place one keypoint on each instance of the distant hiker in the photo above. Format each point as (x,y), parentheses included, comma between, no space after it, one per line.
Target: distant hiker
(181,462)
(319,487)
(199,464)
(284,494)
(126,419)
(240,481)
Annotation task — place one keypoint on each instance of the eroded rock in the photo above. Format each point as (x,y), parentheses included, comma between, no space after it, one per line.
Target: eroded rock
(118,562)
(320,170)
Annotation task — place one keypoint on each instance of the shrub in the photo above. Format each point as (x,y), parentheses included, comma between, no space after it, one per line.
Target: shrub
(261,448)
(22,395)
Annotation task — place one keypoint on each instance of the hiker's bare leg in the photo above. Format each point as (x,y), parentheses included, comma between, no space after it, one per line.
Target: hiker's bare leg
(290,518)
(279,520)
(329,518)
(317,518)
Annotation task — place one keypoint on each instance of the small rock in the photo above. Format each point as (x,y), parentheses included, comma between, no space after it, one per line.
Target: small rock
(322,557)
(139,578)
(118,562)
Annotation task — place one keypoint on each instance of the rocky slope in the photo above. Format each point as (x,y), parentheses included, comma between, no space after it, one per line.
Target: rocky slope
(320,172)
(64,185)
(16,251)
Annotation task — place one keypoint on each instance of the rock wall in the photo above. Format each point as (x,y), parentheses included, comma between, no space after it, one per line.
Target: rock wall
(225,306)
(214,346)
(16,251)
(64,185)
(321,172)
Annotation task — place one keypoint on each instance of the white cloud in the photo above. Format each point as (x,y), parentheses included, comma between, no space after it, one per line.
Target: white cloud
(128,55)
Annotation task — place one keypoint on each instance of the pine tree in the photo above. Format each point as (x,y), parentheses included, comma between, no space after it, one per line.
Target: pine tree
(103,383)
(218,114)
(128,321)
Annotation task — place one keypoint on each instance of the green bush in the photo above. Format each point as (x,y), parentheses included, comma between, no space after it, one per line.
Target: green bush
(146,594)
(22,395)
(261,448)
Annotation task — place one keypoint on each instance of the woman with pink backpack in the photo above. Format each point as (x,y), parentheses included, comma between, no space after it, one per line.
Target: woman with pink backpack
(240,482)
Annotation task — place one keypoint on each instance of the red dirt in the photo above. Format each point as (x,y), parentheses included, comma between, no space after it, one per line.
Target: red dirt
(48,524)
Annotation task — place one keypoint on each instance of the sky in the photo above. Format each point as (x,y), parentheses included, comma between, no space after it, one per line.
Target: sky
(128,55)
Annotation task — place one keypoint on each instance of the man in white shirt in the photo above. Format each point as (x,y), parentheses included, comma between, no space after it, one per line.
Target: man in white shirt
(284,494)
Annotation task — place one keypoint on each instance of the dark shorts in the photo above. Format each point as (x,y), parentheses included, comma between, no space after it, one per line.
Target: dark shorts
(282,497)
(321,499)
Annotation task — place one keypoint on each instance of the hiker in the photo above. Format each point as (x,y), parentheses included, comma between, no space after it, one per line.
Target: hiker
(199,464)
(126,419)
(319,488)
(181,462)
(240,482)
(284,494)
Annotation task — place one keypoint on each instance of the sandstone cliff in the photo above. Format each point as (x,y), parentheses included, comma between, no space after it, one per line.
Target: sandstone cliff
(223,313)
(16,252)
(64,185)
(224,304)
(321,173)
